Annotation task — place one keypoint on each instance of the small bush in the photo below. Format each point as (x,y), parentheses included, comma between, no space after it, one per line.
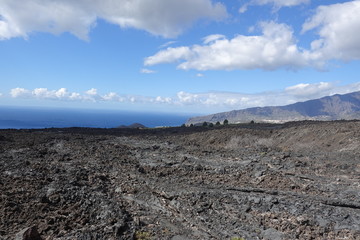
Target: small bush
(142,236)
(237,238)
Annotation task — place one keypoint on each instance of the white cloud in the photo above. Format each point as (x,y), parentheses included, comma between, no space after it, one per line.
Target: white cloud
(338,25)
(187,98)
(22,17)
(92,95)
(167,18)
(169,55)
(310,90)
(243,8)
(74,96)
(276,3)
(44,93)
(91,92)
(167,44)
(61,93)
(213,38)
(275,48)
(20,92)
(147,71)
(113,97)
(281,3)
(160,99)
(200,75)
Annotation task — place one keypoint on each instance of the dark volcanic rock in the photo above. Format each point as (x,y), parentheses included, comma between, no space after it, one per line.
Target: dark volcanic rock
(30,233)
(295,181)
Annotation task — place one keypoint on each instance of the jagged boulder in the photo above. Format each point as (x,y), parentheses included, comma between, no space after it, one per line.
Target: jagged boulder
(29,233)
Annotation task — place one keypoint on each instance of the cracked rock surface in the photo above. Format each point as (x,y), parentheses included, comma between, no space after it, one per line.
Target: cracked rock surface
(258,181)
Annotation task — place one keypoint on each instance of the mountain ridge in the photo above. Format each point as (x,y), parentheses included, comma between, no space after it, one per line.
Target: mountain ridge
(335,107)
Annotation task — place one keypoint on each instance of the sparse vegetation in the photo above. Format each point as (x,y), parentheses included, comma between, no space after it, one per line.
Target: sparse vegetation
(237,238)
(142,236)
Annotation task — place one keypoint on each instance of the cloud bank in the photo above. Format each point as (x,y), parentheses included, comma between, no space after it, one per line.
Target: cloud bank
(167,18)
(222,101)
(276,47)
(90,95)
(292,94)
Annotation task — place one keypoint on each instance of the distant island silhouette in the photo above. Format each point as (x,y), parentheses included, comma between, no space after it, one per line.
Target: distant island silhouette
(134,125)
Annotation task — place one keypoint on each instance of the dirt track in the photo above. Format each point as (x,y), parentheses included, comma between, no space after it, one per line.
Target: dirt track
(292,181)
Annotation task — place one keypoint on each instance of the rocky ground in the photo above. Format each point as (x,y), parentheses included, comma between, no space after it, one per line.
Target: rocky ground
(291,181)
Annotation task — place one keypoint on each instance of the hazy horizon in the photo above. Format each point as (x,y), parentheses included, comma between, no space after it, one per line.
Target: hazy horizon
(40,117)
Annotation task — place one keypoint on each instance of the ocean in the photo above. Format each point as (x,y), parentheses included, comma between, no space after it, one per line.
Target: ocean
(26,117)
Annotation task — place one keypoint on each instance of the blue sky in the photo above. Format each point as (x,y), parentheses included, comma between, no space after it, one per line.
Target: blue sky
(192,56)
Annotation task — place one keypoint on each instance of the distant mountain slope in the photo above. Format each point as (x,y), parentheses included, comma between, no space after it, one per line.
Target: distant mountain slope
(334,107)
